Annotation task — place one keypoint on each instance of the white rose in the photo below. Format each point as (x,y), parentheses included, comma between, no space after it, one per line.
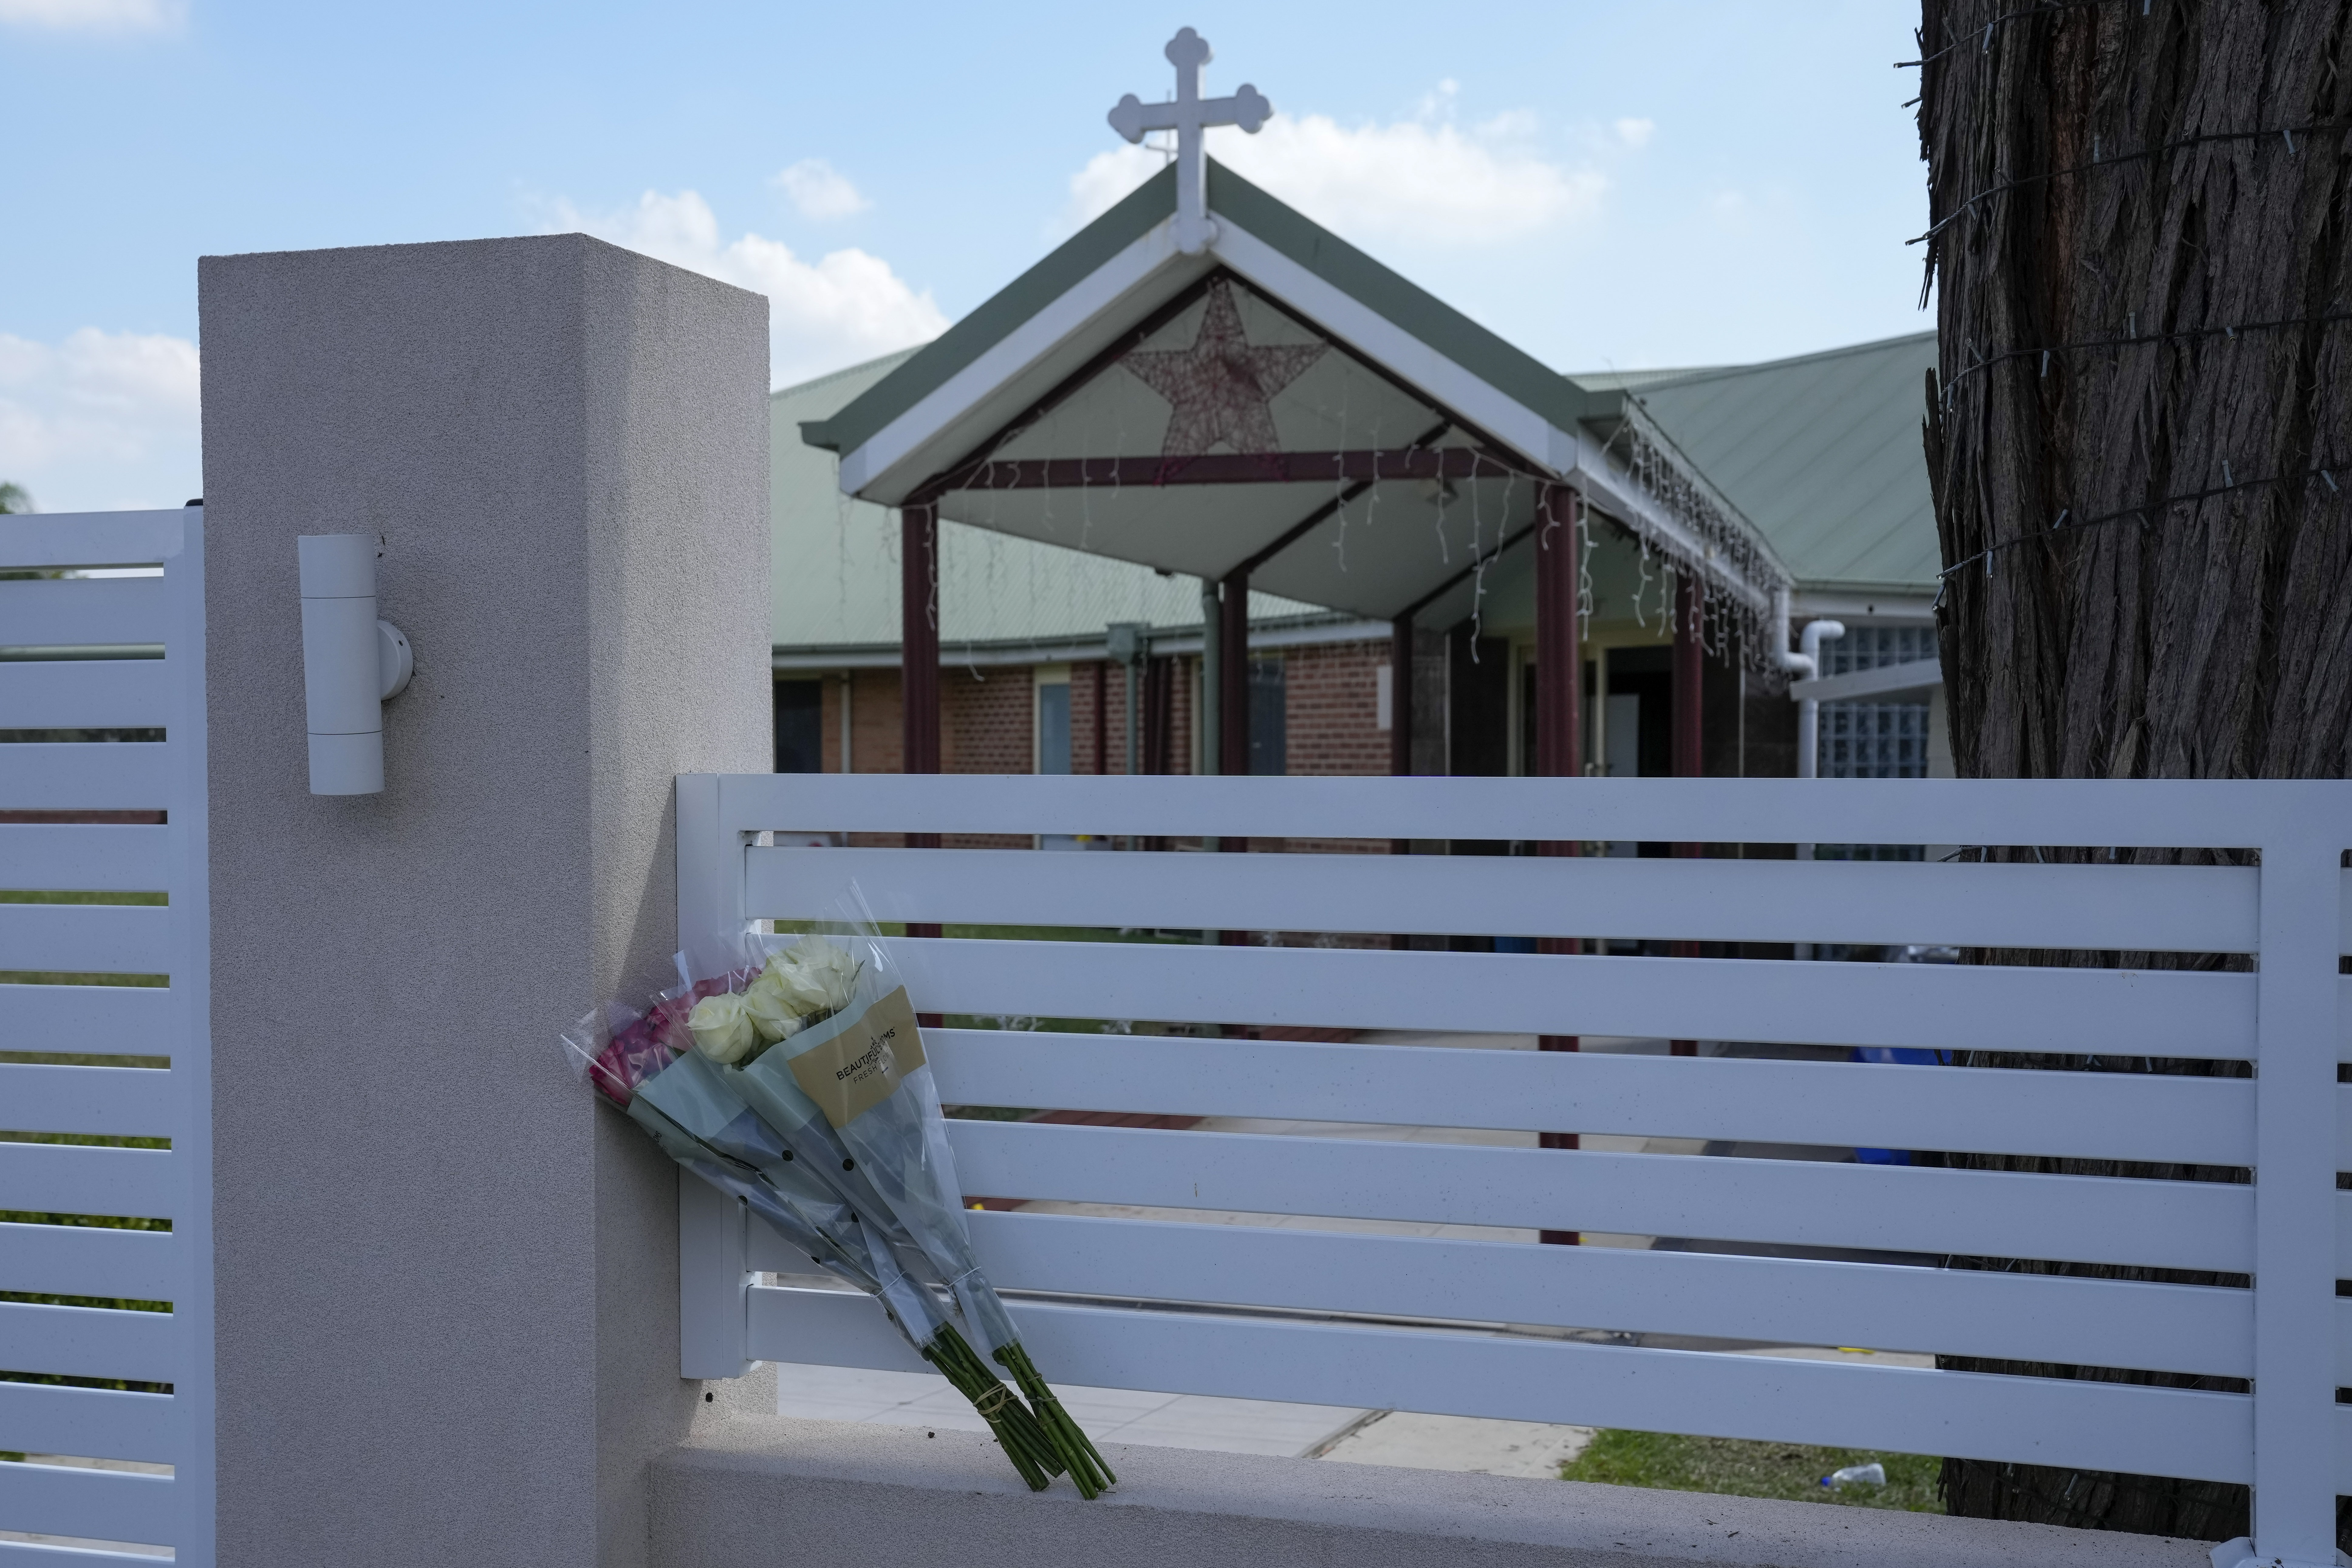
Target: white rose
(775,1012)
(722,1028)
(825,970)
(794,987)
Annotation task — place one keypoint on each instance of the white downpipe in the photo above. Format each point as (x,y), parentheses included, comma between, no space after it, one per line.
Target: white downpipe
(1809,712)
(1806,665)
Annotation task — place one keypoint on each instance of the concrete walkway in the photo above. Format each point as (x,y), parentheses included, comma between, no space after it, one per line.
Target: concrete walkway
(1108,1414)
(1196,1421)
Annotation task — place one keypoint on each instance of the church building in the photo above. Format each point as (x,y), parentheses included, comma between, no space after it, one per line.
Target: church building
(1207,489)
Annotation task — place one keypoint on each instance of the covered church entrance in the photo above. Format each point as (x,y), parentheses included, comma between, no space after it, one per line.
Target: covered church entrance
(1206,383)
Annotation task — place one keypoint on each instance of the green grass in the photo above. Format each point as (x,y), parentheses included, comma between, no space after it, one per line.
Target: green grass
(1732,1467)
(987,932)
(61,977)
(44,896)
(81,1058)
(1060,933)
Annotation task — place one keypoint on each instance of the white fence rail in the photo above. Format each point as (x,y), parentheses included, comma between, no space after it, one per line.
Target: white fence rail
(79,983)
(1419,1323)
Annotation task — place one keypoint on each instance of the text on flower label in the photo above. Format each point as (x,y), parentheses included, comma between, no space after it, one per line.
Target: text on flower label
(860,1066)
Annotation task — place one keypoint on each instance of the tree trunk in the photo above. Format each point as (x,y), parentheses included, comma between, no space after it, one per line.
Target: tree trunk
(2140,442)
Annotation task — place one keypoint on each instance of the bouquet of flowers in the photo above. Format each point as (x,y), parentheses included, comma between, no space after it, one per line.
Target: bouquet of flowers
(823,1043)
(645,1066)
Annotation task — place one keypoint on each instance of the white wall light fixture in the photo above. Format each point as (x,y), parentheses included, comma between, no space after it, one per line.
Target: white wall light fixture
(352,664)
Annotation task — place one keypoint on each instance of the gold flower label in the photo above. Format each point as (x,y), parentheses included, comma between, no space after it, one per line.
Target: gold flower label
(856,1070)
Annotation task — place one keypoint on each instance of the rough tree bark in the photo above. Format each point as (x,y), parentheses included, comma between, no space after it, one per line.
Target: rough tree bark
(2140,443)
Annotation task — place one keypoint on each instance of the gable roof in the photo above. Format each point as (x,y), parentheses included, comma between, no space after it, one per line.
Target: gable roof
(1066,321)
(834,581)
(1820,452)
(1295,237)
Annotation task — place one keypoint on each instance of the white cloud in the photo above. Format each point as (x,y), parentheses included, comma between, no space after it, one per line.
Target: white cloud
(1636,133)
(844,307)
(95,15)
(100,420)
(1424,179)
(820,191)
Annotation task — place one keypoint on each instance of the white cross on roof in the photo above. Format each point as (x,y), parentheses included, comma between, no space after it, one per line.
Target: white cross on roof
(1187,116)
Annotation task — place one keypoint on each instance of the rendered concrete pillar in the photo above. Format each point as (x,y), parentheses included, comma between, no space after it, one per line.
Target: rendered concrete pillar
(448,1292)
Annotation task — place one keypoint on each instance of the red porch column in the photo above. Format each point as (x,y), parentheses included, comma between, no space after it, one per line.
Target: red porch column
(919,638)
(919,666)
(1687,733)
(1102,716)
(1400,727)
(1559,703)
(1233,675)
(1560,674)
(1233,702)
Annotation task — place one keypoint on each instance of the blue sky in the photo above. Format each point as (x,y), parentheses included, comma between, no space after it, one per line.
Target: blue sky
(1623,185)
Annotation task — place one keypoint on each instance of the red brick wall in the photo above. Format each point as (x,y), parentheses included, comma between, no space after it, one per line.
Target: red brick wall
(1333,710)
(1082,717)
(987,721)
(876,740)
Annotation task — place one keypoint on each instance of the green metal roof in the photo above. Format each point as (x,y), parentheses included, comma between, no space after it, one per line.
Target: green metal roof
(1821,453)
(834,581)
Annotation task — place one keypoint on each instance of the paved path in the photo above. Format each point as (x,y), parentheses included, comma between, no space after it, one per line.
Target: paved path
(1196,1421)
(1460,1443)
(1108,1414)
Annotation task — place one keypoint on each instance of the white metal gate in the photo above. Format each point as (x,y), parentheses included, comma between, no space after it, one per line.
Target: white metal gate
(1317,1315)
(104,1040)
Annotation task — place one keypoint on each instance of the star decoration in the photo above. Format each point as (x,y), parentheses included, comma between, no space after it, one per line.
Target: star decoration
(1220,389)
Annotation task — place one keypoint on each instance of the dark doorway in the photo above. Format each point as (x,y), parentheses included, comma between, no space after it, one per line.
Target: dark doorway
(1269,716)
(1054,728)
(799,726)
(1645,676)
(1479,691)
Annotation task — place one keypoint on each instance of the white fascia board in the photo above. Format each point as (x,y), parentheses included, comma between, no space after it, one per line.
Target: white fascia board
(1508,420)
(1617,494)
(1072,650)
(1038,336)
(1863,607)
(1858,685)
(1573,455)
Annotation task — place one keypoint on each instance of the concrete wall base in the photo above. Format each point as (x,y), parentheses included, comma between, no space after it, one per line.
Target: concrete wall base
(752,1491)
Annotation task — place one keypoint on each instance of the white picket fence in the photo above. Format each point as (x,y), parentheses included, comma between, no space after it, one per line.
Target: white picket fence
(1250,1295)
(41,615)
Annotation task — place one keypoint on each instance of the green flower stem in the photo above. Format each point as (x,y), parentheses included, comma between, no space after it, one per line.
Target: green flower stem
(976,1383)
(1076,1448)
(1026,1445)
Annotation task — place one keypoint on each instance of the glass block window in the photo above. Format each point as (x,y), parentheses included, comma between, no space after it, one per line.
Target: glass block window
(1873,741)
(1870,647)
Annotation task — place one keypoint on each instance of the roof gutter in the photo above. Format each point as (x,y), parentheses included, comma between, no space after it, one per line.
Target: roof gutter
(1179,641)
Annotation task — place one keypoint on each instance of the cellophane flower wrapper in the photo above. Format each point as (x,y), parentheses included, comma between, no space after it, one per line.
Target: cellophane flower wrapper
(646,1066)
(850,1073)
